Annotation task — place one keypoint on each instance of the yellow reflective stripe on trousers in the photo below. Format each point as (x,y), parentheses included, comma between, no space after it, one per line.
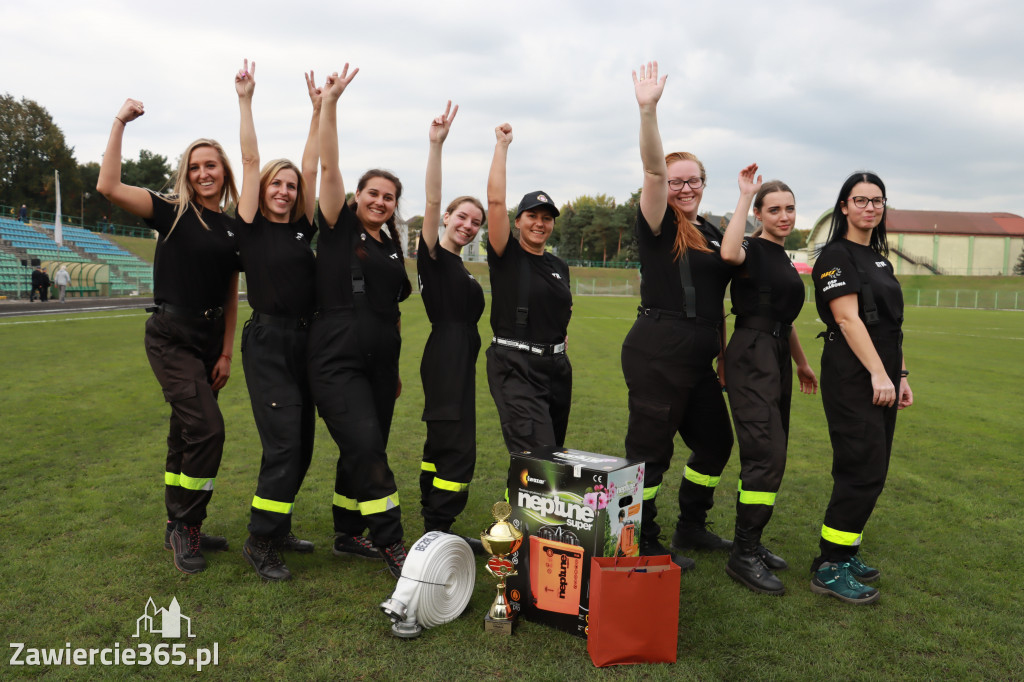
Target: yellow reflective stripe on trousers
(700,479)
(428,466)
(650,492)
(754,497)
(272,505)
(345,502)
(450,485)
(839,537)
(187,482)
(378,506)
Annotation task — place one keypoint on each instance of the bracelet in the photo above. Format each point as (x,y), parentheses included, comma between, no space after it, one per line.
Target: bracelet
(904,374)
(122,121)
(225,355)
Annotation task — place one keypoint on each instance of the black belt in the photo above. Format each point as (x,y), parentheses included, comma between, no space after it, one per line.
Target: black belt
(282,322)
(191,313)
(658,313)
(526,347)
(764,324)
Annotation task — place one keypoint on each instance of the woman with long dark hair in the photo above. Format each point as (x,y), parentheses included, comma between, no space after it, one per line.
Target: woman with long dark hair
(767,295)
(190,336)
(454,301)
(863,379)
(275,214)
(355,340)
(667,355)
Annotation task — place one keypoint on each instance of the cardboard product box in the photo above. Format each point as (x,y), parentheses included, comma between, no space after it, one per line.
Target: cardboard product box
(571,506)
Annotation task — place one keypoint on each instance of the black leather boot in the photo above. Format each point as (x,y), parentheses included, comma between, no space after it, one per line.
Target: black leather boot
(746,566)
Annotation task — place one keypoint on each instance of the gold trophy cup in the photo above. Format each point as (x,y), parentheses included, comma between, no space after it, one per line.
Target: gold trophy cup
(500,539)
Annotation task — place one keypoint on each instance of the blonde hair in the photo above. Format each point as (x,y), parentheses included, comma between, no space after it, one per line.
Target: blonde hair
(269,172)
(466,199)
(183,195)
(687,236)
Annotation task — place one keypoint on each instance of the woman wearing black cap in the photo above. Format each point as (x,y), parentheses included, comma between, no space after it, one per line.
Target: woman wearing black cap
(527,369)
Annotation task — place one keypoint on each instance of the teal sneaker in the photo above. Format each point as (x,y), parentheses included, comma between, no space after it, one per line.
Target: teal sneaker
(862,572)
(837,580)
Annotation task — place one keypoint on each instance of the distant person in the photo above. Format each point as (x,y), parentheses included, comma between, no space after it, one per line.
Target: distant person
(863,379)
(454,301)
(62,279)
(275,214)
(23,213)
(36,284)
(190,336)
(528,371)
(667,355)
(44,285)
(767,295)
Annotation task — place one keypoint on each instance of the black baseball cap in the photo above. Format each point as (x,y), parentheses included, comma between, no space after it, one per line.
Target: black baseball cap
(535,199)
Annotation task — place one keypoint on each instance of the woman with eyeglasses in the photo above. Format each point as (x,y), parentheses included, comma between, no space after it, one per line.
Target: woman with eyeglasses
(767,295)
(667,355)
(863,379)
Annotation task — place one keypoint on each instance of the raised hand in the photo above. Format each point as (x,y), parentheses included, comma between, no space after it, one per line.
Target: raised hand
(440,126)
(648,86)
(129,111)
(336,83)
(748,184)
(315,93)
(245,79)
(504,134)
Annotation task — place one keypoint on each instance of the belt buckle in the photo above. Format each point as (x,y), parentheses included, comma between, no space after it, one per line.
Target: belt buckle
(213,313)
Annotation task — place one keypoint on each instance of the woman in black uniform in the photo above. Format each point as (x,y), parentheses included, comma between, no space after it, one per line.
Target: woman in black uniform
(863,379)
(666,357)
(191,334)
(767,295)
(276,225)
(528,372)
(454,303)
(355,340)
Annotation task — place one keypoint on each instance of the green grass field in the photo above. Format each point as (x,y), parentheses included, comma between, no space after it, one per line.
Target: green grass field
(81,506)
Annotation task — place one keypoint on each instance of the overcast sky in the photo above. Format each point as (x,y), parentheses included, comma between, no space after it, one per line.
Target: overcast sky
(927,94)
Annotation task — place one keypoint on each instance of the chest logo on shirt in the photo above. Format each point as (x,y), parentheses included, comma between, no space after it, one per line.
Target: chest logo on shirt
(716,244)
(880,263)
(299,236)
(556,275)
(393,256)
(230,233)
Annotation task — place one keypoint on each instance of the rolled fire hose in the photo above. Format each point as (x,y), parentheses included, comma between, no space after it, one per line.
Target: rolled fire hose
(437,581)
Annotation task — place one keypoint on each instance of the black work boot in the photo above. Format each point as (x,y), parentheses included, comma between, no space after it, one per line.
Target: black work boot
(211,543)
(698,536)
(188,558)
(652,547)
(773,561)
(261,552)
(290,543)
(746,566)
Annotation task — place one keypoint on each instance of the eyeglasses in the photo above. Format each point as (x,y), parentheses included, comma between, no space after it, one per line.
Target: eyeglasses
(862,202)
(675,184)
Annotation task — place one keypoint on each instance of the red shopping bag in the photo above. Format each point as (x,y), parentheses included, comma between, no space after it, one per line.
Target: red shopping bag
(634,610)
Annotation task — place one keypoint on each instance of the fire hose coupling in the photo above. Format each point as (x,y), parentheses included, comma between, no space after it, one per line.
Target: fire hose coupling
(436,584)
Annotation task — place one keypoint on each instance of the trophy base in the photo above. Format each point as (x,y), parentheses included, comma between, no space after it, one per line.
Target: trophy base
(499,626)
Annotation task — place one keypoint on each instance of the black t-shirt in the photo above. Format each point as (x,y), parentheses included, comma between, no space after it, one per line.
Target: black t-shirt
(279,265)
(449,292)
(383,270)
(835,274)
(193,265)
(767,264)
(550,300)
(660,286)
